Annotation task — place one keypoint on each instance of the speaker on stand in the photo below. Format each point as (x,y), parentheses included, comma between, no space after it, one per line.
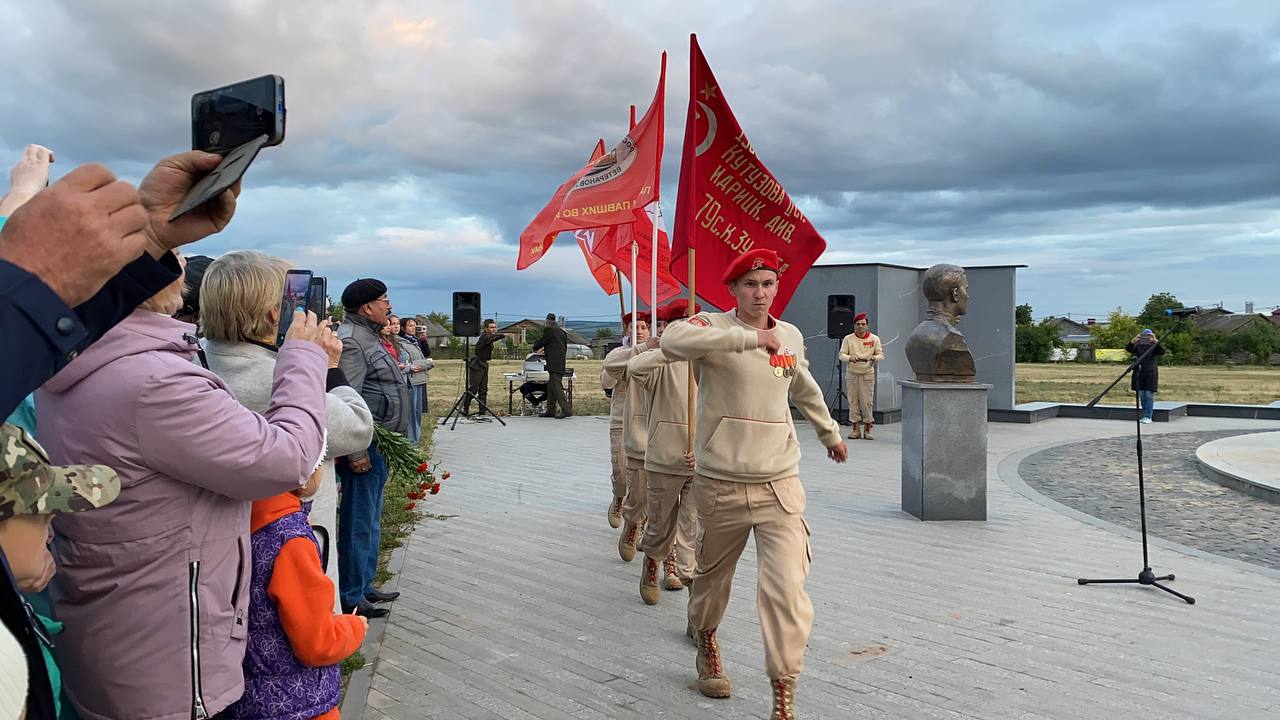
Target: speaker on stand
(466,325)
(840,314)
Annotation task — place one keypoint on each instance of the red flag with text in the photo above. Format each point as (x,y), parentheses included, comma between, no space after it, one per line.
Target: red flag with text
(614,246)
(728,202)
(607,190)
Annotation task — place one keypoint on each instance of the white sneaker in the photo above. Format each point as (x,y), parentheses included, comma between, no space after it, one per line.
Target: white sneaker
(1145,421)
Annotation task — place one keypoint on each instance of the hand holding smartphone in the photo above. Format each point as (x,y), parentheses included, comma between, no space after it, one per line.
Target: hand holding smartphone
(297,294)
(235,121)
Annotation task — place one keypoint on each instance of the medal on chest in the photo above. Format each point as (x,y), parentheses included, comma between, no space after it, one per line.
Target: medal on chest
(784,363)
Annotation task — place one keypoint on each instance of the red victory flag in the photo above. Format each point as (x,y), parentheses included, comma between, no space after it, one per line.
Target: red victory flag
(728,202)
(614,247)
(606,191)
(602,271)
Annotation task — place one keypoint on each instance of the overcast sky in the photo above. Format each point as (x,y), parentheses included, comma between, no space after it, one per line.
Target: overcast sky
(1117,149)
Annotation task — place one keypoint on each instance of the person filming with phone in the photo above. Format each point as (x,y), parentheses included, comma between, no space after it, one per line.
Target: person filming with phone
(1145,379)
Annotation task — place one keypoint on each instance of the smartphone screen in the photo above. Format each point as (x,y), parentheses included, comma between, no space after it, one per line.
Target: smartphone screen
(297,291)
(318,302)
(225,118)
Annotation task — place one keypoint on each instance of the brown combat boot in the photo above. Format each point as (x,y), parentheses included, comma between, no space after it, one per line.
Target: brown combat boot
(615,513)
(711,678)
(627,542)
(784,698)
(650,592)
(866,434)
(671,578)
(855,432)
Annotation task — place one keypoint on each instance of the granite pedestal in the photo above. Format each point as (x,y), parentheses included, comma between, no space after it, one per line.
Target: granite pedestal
(944,450)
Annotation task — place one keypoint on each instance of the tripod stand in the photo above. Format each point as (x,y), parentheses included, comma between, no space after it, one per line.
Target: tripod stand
(840,392)
(464,400)
(1146,577)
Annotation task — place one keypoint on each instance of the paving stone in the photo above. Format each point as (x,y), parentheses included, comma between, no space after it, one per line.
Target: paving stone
(520,608)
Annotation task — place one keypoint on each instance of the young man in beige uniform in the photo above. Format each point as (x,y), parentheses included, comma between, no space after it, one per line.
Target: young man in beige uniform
(671,522)
(635,436)
(862,350)
(749,367)
(616,412)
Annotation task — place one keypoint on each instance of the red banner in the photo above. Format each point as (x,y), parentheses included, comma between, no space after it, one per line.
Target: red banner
(614,247)
(602,271)
(606,191)
(728,202)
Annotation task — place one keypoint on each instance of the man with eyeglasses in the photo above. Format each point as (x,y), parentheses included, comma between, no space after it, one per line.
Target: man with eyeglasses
(371,370)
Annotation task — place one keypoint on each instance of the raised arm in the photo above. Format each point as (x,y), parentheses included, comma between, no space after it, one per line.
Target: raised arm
(697,338)
(192,430)
(615,363)
(643,366)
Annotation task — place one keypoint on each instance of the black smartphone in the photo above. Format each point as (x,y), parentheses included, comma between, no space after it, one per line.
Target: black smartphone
(318,301)
(228,172)
(223,119)
(297,292)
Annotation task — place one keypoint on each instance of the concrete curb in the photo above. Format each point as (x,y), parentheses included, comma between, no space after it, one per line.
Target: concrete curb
(357,696)
(1007,470)
(1221,470)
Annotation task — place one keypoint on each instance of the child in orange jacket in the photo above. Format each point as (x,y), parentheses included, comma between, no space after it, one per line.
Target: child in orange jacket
(295,639)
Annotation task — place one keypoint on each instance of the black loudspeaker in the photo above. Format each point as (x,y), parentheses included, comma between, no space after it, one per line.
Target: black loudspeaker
(466,314)
(839,316)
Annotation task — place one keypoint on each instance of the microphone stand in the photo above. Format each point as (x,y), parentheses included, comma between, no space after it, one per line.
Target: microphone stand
(1146,577)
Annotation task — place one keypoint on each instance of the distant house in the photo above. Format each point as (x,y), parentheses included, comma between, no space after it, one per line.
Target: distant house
(1070,331)
(518,332)
(1229,322)
(436,333)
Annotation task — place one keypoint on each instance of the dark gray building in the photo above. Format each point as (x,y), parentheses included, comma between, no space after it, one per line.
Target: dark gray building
(891,297)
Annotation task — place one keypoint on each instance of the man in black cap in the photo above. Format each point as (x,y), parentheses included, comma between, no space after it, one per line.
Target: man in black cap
(374,373)
(555,343)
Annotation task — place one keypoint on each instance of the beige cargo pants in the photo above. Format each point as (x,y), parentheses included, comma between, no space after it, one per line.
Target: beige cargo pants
(672,519)
(619,460)
(728,512)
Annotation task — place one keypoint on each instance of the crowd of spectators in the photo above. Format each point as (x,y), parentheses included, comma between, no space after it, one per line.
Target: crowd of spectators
(189,513)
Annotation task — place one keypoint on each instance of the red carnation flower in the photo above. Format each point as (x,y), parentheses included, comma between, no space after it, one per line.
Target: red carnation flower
(435,489)
(423,468)
(446,475)
(415,495)
(424,486)
(410,506)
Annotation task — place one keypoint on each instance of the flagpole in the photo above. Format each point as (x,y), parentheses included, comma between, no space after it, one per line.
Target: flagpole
(634,308)
(693,299)
(622,303)
(653,265)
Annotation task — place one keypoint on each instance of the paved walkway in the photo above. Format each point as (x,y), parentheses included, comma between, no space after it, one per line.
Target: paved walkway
(520,608)
(1100,477)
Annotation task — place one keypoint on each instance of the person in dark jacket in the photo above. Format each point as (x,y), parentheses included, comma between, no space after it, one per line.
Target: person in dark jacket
(478,366)
(82,254)
(555,343)
(375,374)
(1146,377)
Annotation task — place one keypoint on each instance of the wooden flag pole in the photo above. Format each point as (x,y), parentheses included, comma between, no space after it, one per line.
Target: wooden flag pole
(693,299)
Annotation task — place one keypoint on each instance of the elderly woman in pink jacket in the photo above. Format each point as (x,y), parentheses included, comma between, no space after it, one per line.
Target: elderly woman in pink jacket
(153,589)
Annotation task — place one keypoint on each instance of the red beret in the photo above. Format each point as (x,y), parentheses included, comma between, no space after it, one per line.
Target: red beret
(676,310)
(642,315)
(762,259)
(859,316)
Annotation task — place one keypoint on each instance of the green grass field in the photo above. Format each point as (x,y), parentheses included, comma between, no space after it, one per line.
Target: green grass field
(1066,382)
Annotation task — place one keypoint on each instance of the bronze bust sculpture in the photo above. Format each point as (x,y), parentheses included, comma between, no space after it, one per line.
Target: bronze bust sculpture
(936,349)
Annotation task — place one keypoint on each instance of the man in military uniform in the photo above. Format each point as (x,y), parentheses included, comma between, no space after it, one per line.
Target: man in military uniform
(617,402)
(478,367)
(671,523)
(31,490)
(635,438)
(750,367)
(555,344)
(861,349)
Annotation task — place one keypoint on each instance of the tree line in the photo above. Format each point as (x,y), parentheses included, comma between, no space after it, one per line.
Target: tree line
(1184,342)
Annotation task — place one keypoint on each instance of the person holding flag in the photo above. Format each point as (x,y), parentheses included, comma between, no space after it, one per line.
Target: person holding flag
(635,437)
(670,526)
(617,413)
(751,368)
